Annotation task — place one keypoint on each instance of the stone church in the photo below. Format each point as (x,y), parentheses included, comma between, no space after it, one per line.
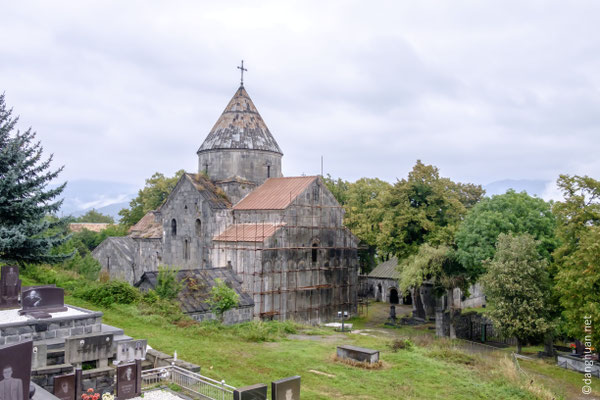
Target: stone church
(281,237)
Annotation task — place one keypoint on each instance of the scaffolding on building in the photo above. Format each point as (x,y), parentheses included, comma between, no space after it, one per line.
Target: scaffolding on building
(306,269)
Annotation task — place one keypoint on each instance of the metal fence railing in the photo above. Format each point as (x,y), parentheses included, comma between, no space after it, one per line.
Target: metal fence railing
(202,386)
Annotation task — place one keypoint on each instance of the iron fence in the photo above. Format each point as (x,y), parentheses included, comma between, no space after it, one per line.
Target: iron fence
(202,386)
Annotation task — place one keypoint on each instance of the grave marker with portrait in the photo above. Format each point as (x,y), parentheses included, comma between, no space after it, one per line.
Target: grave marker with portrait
(15,367)
(286,389)
(83,348)
(64,387)
(129,380)
(10,287)
(131,350)
(41,301)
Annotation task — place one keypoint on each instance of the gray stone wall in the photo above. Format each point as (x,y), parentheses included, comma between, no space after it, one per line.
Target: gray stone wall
(380,289)
(234,316)
(251,165)
(476,297)
(196,223)
(236,190)
(51,328)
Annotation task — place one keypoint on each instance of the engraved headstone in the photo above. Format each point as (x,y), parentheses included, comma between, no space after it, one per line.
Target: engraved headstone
(82,348)
(129,380)
(15,367)
(42,300)
(254,392)
(10,287)
(131,350)
(286,389)
(64,387)
(39,357)
(393,313)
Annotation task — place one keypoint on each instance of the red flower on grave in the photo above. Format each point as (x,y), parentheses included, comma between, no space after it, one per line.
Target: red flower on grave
(90,390)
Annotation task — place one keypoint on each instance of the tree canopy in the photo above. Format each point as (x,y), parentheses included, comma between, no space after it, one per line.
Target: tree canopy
(93,216)
(518,286)
(25,199)
(152,196)
(506,213)
(577,260)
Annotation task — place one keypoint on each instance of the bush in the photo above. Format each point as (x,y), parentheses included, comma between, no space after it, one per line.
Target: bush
(401,344)
(222,298)
(111,292)
(168,286)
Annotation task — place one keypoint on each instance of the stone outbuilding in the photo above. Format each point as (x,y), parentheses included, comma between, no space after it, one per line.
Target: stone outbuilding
(383,283)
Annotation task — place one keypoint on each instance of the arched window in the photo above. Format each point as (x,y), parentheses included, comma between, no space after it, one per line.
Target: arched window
(173,227)
(198,227)
(315,252)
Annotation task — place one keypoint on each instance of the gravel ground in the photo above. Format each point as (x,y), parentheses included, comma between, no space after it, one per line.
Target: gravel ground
(158,395)
(12,316)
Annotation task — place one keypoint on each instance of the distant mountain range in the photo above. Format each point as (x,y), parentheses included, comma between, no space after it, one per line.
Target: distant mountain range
(109,198)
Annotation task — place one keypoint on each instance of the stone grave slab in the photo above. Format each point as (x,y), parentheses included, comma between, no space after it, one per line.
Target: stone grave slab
(360,354)
(286,389)
(15,367)
(82,348)
(64,387)
(131,350)
(254,392)
(10,287)
(129,380)
(42,301)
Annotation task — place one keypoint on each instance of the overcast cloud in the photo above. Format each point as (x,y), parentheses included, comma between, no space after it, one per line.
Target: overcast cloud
(483,90)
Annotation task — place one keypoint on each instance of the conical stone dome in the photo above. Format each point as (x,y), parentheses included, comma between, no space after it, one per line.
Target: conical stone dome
(239,147)
(240,126)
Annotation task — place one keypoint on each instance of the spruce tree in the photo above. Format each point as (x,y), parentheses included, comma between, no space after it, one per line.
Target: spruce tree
(27,235)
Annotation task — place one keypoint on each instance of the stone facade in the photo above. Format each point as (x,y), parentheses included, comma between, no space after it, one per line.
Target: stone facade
(296,259)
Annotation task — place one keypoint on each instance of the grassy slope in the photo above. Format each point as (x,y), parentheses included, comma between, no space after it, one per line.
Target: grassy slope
(406,375)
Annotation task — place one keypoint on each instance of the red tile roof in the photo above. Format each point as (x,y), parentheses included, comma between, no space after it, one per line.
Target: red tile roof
(90,226)
(247,232)
(275,193)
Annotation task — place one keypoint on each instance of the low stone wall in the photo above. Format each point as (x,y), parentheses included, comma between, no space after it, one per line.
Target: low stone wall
(158,359)
(44,377)
(233,316)
(359,354)
(101,379)
(62,327)
(578,364)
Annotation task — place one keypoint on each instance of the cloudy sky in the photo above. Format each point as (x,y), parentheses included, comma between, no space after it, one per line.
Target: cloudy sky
(484,90)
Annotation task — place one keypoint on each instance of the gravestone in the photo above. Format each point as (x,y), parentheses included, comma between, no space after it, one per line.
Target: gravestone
(82,348)
(359,354)
(254,392)
(39,302)
(129,380)
(579,349)
(286,389)
(10,287)
(131,350)
(64,387)
(393,313)
(15,367)
(39,357)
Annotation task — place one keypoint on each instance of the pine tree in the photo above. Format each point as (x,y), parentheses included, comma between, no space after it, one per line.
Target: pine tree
(27,235)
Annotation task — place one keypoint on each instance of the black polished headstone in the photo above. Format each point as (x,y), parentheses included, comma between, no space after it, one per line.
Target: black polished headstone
(128,381)
(254,392)
(579,349)
(43,300)
(15,370)
(10,287)
(286,389)
(64,387)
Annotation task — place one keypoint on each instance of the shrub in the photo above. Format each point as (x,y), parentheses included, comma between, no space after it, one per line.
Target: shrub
(401,344)
(168,286)
(111,292)
(222,298)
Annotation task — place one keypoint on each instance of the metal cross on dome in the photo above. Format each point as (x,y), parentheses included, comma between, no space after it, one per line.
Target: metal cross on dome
(242,69)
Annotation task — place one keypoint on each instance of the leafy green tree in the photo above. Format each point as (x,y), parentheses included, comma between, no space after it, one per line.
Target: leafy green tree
(24,198)
(424,208)
(506,213)
(167,287)
(94,216)
(337,187)
(518,286)
(152,196)
(577,260)
(222,298)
